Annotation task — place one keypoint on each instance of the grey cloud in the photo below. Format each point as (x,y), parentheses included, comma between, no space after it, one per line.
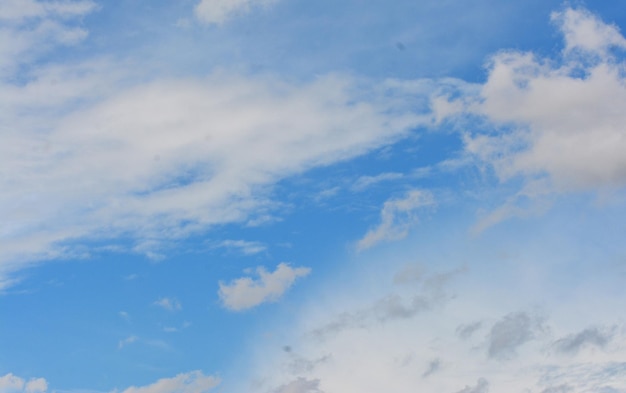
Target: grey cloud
(512,331)
(574,342)
(393,306)
(482,386)
(558,389)
(300,385)
(433,367)
(466,331)
(300,365)
(606,377)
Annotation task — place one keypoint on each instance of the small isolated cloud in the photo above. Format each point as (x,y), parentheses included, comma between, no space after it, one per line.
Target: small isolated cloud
(10,383)
(124,315)
(300,385)
(191,382)
(512,331)
(127,341)
(169,304)
(219,11)
(396,218)
(244,293)
(243,246)
(588,337)
(482,386)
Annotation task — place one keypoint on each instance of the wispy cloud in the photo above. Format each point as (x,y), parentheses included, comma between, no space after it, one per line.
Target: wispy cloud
(365,182)
(244,293)
(589,337)
(219,11)
(396,218)
(127,341)
(243,246)
(169,304)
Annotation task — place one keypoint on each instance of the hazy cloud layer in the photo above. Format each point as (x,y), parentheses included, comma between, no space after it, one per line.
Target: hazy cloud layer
(300,385)
(219,11)
(244,293)
(482,386)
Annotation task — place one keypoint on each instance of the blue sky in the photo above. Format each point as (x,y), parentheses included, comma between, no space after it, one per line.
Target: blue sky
(282,196)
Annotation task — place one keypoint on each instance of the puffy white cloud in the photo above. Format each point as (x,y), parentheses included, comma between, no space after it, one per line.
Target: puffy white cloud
(191,382)
(10,383)
(244,293)
(218,11)
(169,304)
(583,31)
(396,218)
(557,124)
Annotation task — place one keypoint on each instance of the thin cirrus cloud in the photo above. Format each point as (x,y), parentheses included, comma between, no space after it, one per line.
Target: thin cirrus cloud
(219,11)
(233,138)
(245,292)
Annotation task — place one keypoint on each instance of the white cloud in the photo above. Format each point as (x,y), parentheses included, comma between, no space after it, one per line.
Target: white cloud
(243,246)
(583,31)
(47,27)
(10,383)
(364,182)
(191,382)
(128,340)
(218,11)
(169,304)
(559,123)
(396,218)
(244,293)
(160,161)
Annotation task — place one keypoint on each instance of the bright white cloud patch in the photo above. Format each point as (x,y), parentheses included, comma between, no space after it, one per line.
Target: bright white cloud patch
(10,383)
(167,159)
(583,31)
(246,292)
(218,11)
(560,124)
(396,218)
(191,382)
